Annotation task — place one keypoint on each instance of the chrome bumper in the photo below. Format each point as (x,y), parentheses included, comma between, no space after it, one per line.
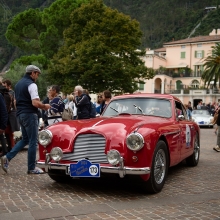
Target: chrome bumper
(121,169)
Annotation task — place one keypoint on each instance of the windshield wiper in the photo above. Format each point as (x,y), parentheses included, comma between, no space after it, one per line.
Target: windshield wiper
(139,108)
(114,109)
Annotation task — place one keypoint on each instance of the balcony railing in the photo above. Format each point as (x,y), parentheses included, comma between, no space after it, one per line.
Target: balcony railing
(174,74)
(191,91)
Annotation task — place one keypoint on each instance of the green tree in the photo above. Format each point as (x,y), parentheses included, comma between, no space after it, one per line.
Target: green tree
(38,31)
(17,71)
(25,29)
(99,51)
(212,66)
(56,18)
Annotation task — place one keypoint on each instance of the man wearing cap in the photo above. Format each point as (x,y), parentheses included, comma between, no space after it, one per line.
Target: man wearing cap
(27,103)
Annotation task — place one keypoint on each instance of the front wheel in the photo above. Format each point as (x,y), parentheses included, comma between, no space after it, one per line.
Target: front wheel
(159,169)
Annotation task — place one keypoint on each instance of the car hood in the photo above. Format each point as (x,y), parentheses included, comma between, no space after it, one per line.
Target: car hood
(204,117)
(114,129)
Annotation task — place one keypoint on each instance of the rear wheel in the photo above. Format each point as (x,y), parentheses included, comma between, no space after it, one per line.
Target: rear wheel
(59,176)
(193,160)
(159,169)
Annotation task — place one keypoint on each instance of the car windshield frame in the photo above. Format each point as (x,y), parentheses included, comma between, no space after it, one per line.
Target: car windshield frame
(201,112)
(139,106)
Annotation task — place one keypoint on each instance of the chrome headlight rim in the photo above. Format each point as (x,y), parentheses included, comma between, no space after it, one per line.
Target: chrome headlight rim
(50,137)
(135,135)
(56,154)
(117,156)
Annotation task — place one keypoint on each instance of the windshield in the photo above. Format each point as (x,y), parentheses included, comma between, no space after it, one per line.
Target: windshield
(200,112)
(143,106)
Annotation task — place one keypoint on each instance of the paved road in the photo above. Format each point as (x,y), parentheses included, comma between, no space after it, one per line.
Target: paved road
(189,193)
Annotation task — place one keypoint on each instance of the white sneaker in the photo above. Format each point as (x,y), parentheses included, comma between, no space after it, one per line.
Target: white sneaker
(4,163)
(217,148)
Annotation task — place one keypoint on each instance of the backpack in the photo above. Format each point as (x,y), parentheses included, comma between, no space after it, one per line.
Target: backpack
(67,114)
(7,97)
(92,110)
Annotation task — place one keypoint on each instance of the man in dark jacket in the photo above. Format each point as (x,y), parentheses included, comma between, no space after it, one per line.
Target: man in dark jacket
(3,123)
(82,102)
(27,103)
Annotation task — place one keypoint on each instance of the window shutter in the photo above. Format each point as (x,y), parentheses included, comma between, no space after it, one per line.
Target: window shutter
(202,53)
(141,86)
(195,54)
(182,55)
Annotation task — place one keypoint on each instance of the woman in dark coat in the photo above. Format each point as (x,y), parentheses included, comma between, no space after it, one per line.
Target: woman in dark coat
(13,124)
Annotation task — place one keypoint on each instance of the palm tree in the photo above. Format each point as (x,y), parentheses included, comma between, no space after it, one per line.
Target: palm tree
(212,67)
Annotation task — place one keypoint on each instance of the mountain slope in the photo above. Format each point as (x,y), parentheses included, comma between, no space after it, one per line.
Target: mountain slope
(160,20)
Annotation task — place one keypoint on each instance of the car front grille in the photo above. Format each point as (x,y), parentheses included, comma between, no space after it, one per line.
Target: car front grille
(89,146)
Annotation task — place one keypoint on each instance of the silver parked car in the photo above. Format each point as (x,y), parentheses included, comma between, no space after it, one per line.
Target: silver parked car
(202,117)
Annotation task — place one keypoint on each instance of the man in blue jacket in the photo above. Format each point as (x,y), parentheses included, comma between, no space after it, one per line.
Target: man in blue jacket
(27,103)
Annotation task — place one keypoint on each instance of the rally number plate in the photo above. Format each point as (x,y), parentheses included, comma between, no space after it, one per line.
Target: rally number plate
(84,168)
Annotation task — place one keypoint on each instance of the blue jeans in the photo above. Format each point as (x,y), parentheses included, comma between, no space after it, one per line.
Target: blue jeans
(29,130)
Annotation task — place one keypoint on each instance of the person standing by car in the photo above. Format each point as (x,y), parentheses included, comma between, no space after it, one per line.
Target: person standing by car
(13,124)
(3,123)
(27,103)
(217,147)
(188,112)
(56,106)
(106,99)
(190,106)
(82,102)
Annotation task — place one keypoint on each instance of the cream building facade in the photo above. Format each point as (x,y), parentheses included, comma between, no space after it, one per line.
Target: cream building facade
(179,66)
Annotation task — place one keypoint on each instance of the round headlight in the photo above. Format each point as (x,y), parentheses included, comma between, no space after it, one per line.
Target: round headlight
(45,137)
(113,157)
(56,154)
(135,141)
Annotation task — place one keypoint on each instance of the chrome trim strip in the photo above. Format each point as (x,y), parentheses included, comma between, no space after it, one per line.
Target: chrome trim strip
(121,170)
(172,132)
(97,123)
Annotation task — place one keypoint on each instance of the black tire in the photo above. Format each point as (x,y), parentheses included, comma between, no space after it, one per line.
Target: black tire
(159,169)
(193,160)
(59,176)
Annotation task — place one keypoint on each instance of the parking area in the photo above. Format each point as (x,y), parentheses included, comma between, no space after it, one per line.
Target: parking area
(189,193)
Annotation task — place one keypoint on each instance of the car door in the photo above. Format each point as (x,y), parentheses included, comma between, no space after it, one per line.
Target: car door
(186,130)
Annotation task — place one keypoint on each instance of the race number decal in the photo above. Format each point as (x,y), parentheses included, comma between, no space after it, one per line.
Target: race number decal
(188,136)
(93,170)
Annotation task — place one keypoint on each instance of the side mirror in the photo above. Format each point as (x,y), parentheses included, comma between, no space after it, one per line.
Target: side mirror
(181,117)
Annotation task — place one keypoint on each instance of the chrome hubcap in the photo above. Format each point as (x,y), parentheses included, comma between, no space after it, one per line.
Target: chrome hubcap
(160,166)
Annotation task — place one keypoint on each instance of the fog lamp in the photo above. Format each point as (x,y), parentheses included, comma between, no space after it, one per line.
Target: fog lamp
(113,157)
(56,154)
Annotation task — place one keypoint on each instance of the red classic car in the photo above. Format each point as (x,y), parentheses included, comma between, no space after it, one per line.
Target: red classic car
(139,134)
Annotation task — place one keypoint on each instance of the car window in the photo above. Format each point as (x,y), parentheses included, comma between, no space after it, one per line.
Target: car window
(180,110)
(145,106)
(200,112)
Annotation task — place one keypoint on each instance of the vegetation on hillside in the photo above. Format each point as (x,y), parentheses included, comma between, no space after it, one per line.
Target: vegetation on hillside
(85,43)
(160,20)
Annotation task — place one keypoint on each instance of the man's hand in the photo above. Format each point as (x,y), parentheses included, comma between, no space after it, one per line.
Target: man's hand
(38,104)
(47,106)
